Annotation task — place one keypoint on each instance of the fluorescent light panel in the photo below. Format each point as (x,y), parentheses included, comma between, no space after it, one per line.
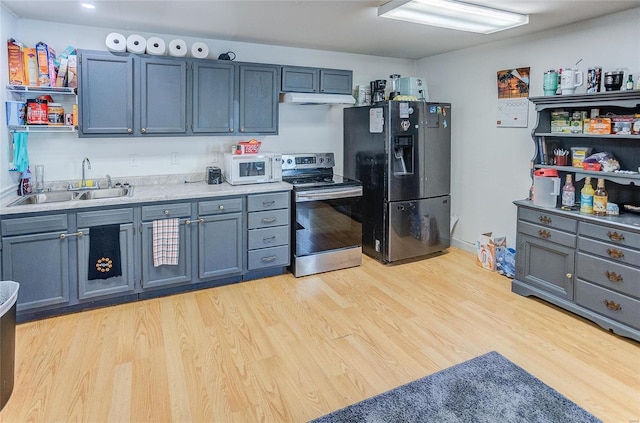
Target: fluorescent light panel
(453,15)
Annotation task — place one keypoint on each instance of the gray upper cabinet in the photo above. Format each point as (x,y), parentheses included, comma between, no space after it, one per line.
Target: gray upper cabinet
(106,94)
(301,79)
(258,99)
(163,96)
(212,97)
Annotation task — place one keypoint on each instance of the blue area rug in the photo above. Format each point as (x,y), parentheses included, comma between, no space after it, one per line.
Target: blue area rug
(488,389)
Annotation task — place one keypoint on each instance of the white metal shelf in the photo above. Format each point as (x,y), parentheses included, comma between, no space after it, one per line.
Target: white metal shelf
(42,128)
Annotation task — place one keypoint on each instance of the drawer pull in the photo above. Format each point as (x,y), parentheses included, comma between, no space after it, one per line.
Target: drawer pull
(615,236)
(268,203)
(220,207)
(612,305)
(267,239)
(613,276)
(166,212)
(615,253)
(189,222)
(545,219)
(78,234)
(268,219)
(268,259)
(544,233)
(569,275)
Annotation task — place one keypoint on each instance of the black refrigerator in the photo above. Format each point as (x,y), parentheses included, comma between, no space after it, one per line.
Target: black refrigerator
(401,151)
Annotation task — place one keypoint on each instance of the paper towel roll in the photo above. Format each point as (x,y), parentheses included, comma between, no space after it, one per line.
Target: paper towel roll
(116,42)
(136,44)
(156,46)
(199,50)
(178,48)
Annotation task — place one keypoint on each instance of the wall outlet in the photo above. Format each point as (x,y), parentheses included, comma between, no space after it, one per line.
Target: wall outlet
(133,160)
(175,158)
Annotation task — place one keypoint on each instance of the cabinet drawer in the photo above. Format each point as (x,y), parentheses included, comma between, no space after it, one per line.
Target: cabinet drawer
(547,234)
(610,251)
(268,237)
(610,235)
(608,303)
(104,217)
(271,201)
(165,211)
(225,205)
(608,274)
(269,218)
(551,220)
(268,257)
(32,225)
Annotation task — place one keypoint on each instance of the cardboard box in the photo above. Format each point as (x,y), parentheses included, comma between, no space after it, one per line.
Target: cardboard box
(46,55)
(486,250)
(600,126)
(16,113)
(62,73)
(561,126)
(72,71)
(30,66)
(16,63)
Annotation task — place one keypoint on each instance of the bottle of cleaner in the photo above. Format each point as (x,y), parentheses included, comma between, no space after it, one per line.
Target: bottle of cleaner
(600,199)
(568,194)
(586,197)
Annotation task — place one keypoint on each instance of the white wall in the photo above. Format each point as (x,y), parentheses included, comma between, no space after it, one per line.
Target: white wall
(302,128)
(490,164)
(8,27)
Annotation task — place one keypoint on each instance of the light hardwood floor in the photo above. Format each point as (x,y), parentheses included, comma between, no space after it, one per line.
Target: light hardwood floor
(289,350)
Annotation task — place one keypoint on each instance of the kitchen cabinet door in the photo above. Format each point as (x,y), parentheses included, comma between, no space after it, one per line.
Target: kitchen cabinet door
(300,79)
(212,97)
(220,246)
(105,98)
(166,275)
(258,99)
(163,96)
(336,81)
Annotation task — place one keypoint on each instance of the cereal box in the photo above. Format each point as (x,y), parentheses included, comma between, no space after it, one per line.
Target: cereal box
(16,63)
(30,66)
(45,55)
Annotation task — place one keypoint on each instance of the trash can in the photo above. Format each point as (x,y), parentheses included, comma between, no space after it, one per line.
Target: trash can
(8,297)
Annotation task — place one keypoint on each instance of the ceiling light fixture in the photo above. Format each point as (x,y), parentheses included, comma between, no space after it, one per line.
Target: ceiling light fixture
(453,15)
(88,5)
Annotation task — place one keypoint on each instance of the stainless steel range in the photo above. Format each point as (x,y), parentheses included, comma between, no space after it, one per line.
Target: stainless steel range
(326,211)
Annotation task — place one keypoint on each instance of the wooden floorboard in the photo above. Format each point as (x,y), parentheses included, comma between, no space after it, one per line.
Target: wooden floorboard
(287,349)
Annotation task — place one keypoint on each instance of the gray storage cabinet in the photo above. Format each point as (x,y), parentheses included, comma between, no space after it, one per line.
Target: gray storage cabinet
(166,275)
(258,99)
(301,79)
(213,97)
(268,230)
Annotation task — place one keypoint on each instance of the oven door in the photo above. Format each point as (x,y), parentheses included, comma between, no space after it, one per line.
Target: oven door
(327,220)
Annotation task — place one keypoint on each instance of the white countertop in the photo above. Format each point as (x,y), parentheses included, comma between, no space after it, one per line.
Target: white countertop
(176,189)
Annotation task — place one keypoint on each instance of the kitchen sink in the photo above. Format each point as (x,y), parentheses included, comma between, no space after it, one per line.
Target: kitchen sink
(61,196)
(106,193)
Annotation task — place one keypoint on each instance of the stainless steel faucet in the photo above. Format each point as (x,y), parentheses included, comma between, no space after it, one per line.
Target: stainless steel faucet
(84,181)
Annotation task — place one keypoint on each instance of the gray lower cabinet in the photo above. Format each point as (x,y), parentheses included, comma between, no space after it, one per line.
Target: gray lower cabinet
(92,289)
(258,98)
(584,264)
(268,230)
(165,275)
(219,238)
(35,253)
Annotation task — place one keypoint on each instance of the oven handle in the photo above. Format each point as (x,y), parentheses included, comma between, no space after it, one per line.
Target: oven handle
(302,196)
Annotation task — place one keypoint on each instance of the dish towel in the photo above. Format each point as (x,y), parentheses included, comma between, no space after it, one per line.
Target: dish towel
(165,242)
(104,252)
(20,153)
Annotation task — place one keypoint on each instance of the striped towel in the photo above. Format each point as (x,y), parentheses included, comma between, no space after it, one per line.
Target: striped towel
(165,242)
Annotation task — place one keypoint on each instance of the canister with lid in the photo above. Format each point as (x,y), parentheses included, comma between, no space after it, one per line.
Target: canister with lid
(56,114)
(37,112)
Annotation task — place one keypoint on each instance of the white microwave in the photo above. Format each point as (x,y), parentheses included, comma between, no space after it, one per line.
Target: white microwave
(252,168)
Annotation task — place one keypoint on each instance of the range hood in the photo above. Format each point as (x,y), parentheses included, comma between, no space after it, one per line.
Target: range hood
(313,98)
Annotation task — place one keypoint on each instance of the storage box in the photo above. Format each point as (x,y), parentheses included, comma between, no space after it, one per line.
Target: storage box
(486,249)
(46,56)
(578,154)
(72,71)
(16,113)
(561,126)
(622,124)
(600,126)
(30,66)
(16,63)
(249,147)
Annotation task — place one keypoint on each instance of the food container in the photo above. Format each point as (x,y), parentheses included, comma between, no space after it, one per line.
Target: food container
(55,114)
(249,147)
(37,112)
(578,154)
(601,126)
(546,190)
(622,124)
(592,166)
(16,113)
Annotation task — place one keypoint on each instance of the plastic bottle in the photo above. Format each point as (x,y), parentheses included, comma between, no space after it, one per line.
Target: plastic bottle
(568,194)
(630,82)
(600,199)
(586,197)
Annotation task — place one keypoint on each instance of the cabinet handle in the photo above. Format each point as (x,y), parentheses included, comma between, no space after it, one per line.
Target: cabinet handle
(189,222)
(220,207)
(268,203)
(268,259)
(612,305)
(230,129)
(613,276)
(615,236)
(569,275)
(241,129)
(129,131)
(78,234)
(166,212)
(143,130)
(267,239)
(615,253)
(545,219)
(544,233)
(268,219)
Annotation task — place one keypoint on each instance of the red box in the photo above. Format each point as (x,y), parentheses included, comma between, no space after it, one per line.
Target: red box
(591,166)
(249,147)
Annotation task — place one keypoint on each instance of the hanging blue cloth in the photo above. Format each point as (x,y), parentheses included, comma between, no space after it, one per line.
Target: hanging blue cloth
(20,153)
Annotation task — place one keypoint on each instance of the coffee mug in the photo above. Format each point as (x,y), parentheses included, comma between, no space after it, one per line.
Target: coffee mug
(571,78)
(550,82)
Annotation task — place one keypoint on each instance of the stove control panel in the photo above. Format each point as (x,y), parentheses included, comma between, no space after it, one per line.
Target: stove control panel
(307,161)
